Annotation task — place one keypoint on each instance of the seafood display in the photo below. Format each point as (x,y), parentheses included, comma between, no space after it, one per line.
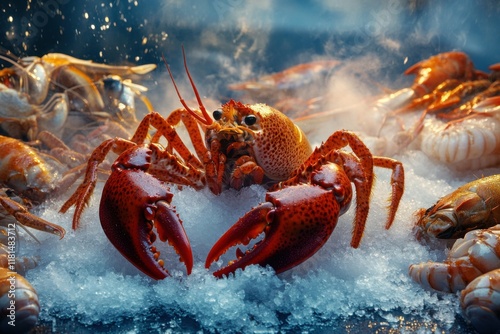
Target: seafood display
(59,93)
(472,267)
(473,263)
(30,179)
(64,118)
(19,301)
(469,258)
(29,175)
(475,205)
(480,302)
(14,287)
(453,110)
(432,72)
(245,144)
(47,101)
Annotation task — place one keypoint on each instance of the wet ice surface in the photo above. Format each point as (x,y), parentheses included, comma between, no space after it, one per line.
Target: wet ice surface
(84,279)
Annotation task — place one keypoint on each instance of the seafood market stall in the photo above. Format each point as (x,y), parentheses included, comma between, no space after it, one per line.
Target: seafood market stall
(268,166)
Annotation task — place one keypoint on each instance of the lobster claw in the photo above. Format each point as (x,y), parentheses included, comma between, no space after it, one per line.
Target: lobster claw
(132,203)
(296,221)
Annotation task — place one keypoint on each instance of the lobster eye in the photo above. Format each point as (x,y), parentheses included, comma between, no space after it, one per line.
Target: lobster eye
(250,120)
(217,114)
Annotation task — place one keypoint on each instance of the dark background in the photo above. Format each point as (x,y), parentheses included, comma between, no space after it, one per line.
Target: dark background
(231,40)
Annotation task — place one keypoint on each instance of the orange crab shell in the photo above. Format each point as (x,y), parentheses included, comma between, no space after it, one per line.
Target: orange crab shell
(436,69)
(279,145)
(24,170)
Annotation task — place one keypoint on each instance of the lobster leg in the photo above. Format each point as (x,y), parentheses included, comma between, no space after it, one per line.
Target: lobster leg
(169,168)
(166,128)
(397,185)
(81,196)
(22,215)
(359,169)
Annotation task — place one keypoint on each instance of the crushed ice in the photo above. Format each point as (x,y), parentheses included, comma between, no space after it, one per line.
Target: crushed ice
(82,277)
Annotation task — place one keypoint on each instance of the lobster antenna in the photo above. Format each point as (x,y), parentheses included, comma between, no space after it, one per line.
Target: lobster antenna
(205,119)
(198,98)
(23,69)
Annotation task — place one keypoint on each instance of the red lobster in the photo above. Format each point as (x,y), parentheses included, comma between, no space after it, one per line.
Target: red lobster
(243,145)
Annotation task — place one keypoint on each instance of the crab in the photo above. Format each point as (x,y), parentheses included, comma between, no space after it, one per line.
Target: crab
(243,145)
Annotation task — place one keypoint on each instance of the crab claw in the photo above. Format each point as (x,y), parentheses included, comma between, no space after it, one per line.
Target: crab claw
(132,203)
(296,221)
